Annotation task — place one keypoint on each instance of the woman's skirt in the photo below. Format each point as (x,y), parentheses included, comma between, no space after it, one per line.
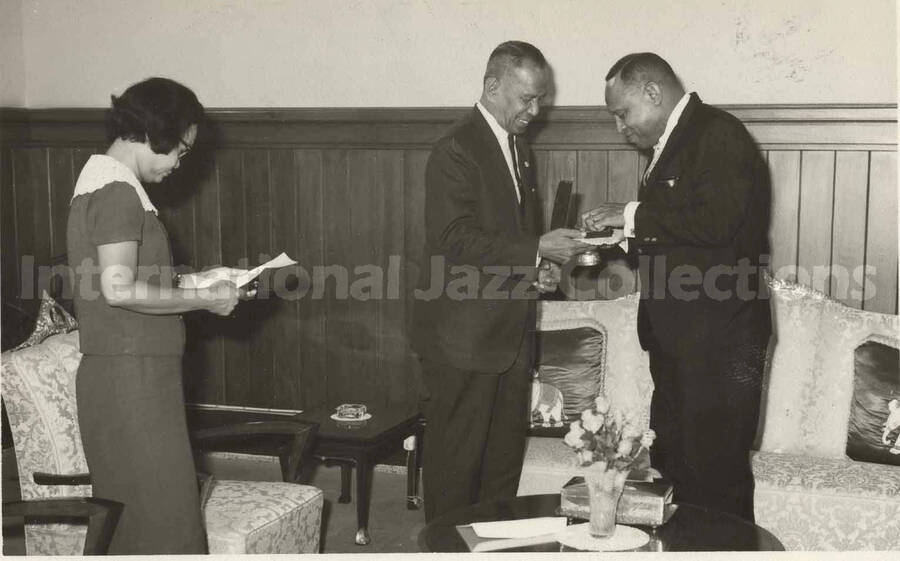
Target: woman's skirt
(132,421)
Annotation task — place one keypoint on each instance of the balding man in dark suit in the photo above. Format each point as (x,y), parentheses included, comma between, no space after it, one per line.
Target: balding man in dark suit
(699,229)
(475,310)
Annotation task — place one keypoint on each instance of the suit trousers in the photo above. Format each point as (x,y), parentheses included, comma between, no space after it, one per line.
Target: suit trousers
(476,424)
(705,411)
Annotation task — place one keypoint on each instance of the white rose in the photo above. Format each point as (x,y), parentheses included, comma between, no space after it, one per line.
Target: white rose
(586,456)
(624,447)
(648,438)
(591,422)
(601,403)
(573,437)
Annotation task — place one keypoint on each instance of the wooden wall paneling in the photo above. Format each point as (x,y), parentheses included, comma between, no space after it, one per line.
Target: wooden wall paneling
(259,314)
(784,166)
(398,386)
(816,206)
(284,332)
(80,156)
(310,209)
(62,184)
(235,329)
(31,182)
(365,254)
(205,350)
(591,185)
(591,189)
(9,274)
(339,326)
(414,163)
(851,178)
(624,174)
(540,159)
(881,234)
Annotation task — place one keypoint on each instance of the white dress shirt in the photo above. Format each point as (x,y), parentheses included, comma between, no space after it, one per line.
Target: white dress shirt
(503,139)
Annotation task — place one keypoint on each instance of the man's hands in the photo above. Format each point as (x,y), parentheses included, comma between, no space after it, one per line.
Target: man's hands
(607,214)
(549,276)
(561,244)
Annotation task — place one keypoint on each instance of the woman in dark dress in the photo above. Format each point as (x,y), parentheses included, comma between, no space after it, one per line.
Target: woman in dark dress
(128,303)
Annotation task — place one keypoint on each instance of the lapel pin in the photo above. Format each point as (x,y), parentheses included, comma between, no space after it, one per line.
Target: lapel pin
(526,163)
(671,181)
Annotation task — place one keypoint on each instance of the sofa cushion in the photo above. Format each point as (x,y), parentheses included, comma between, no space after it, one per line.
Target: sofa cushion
(875,406)
(789,377)
(573,361)
(39,393)
(627,381)
(52,319)
(827,402)
(824,503)
(263,517)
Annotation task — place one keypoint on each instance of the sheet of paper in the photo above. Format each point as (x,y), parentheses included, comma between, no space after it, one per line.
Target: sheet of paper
(245,277)
(281,261)
(524,528)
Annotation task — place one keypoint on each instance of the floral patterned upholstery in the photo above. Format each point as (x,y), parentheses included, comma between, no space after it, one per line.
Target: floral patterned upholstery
(808,493)
(824,503)
(38,385)
(263,517)
(39,393)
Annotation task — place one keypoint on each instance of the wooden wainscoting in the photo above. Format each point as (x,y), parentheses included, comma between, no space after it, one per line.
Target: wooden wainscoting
(341,190)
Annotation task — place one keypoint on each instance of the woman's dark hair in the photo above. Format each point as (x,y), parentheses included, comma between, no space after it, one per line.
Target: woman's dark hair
(158,109)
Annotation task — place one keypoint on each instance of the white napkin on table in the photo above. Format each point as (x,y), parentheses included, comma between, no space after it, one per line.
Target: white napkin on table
(524,528)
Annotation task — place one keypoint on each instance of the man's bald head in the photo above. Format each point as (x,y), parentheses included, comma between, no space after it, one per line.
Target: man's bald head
(636,69)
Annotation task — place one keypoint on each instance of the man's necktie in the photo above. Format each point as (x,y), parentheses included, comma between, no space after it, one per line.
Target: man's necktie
(520,192)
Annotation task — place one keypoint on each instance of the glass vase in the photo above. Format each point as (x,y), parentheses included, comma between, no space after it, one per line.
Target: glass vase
(604,491)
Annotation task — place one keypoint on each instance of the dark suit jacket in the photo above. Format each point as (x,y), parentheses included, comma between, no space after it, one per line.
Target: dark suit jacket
(704,210)
(475,302)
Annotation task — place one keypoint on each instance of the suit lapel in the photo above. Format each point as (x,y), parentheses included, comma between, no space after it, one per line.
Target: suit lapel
(677,138)
(496,170)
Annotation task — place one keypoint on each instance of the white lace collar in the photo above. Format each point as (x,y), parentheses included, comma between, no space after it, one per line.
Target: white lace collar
(101,170)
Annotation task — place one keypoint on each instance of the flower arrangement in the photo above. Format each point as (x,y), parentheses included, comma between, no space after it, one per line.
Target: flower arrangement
(609,438)
(611,443)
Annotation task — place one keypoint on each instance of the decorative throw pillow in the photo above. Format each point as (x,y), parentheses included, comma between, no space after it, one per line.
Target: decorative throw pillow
(572,361)
(52,319)
(873,433)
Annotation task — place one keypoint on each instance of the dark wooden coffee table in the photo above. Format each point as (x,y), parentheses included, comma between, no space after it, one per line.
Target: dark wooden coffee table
(361,444)
(691,528)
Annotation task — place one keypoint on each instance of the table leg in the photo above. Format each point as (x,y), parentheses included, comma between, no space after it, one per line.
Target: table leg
(363,479)
(345,482)
(346,466)
(413,463)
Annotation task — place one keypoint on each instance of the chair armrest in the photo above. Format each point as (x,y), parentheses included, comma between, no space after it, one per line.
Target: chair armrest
(102,516)
(59,479)
(243,436)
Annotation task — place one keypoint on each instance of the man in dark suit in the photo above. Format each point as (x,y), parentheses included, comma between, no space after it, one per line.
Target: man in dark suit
(474,313)
(699,229)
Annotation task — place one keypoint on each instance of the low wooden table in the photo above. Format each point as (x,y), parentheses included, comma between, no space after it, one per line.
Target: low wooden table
(361,444)
(691,528)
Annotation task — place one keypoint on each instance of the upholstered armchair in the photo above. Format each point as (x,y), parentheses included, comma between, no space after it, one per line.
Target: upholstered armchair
(38,388)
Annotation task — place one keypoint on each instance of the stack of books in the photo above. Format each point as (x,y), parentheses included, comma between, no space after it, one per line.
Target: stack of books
(642,502)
